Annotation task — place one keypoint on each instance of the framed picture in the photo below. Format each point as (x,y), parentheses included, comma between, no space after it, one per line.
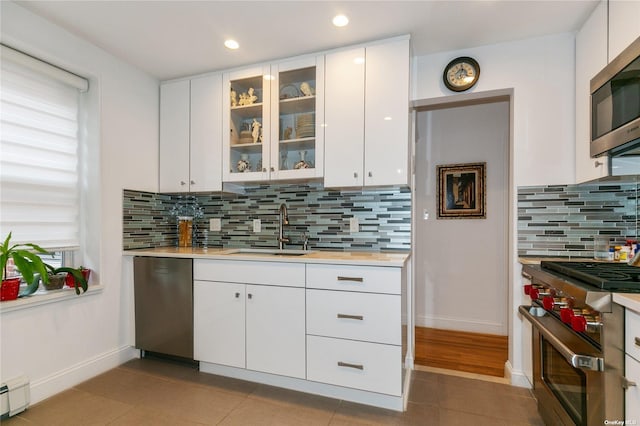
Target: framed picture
(461,191)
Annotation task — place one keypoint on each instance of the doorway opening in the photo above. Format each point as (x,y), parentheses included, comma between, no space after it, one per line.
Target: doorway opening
(461,268)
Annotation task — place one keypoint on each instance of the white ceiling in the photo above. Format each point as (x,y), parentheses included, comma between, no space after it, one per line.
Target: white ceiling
(171,39)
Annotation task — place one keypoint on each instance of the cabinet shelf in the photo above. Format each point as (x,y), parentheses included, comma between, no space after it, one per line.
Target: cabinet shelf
(247,111)
(295,144)
(247,147)
(297,105)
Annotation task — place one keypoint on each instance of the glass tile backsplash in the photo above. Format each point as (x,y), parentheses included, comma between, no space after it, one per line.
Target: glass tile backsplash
(384,216)
(562,220)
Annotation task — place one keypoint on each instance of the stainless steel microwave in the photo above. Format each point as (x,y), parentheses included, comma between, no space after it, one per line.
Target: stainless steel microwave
(615,106)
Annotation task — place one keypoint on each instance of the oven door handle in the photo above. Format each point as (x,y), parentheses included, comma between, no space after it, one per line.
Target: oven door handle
(584,362)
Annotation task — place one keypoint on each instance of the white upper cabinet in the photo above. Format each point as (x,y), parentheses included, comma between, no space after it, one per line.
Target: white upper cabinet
(367,116)
(344,117)
(191,135)
(386,121)
(273,122)
(174,136)
(624,25)
(591,57)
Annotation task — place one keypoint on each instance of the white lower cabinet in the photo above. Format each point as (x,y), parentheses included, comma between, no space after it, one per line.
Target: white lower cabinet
(257,327)
(632,364)
(360,365)
(354,327)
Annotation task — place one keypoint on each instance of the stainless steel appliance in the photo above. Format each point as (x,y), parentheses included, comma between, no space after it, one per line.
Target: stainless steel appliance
(615,105)
(163,290)
(578,339)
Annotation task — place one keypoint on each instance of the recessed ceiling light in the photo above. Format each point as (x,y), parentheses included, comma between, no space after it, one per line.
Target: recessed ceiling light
(340,20)
(231,44)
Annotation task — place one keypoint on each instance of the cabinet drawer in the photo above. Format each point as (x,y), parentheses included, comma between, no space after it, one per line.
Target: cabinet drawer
(238,271)
(370,279)
(632,394)
(359,365)
(359,316)
(632,333)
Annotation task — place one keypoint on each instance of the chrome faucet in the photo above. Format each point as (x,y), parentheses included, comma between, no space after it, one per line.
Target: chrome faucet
(283,219)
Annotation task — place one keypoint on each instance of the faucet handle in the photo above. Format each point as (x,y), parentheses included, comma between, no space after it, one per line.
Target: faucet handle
(305,241)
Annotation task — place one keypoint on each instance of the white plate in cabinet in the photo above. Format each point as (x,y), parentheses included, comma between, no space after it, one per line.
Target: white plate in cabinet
(358,316)
(360,365)
(368,279)
(632,334)
(238,271)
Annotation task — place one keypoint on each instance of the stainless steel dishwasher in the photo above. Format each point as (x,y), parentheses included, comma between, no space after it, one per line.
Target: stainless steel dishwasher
(163,290)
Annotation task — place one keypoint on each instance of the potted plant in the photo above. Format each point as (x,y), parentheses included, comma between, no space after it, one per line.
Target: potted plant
(26,261)
(76,277)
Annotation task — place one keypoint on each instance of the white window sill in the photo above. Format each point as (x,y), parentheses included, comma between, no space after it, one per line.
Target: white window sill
(43,297)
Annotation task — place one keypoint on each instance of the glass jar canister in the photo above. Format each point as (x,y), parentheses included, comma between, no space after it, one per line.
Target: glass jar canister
(185,231)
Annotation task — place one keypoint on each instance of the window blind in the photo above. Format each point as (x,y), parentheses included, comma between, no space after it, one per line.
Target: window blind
(39,152)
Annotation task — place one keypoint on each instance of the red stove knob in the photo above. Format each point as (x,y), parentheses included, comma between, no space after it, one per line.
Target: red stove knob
(534,294)
(527,289)
(579,324)
(547,303)
(566,315)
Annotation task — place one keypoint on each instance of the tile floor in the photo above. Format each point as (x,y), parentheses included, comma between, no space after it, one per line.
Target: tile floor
(154,392)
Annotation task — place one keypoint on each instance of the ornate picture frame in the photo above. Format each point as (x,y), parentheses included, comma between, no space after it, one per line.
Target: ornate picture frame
(461,191)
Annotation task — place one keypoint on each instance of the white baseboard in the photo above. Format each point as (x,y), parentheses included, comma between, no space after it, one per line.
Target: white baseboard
(471,326)
(516,377)
(67,378)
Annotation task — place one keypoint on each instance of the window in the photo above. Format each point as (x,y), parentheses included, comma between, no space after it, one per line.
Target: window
(39,152)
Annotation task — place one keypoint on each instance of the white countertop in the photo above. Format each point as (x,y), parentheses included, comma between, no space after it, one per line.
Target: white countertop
(314,256)
(628,300)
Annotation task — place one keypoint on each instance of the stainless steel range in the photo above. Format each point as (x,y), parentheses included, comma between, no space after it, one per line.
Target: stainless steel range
(578,339)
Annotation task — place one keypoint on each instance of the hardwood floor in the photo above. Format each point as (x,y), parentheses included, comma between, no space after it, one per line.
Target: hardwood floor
(457,350)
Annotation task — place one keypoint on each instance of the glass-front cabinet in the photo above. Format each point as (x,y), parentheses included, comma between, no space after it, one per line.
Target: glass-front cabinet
(275,117)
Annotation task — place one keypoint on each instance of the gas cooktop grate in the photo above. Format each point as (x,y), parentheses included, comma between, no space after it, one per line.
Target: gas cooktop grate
(618,277)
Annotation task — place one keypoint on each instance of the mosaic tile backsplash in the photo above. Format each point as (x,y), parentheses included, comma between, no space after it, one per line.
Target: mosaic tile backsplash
(323,215)
(562,220)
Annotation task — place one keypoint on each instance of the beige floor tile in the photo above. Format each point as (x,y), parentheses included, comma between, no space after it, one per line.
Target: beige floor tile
(349,413)
(75,407)
(457,418)
(16,421)
(123,385)
(424,391)
(262,413)
(225,384)
(140,416)
(287,397)
(421,415)
(164,368)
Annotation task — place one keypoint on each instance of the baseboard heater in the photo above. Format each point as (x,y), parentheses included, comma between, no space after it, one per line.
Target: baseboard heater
(14,396)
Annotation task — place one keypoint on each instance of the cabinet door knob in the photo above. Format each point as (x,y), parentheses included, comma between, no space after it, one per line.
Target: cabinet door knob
(183,183)
(355,175)
(626,383)
(264,170)
(250,296)
(272,169)
(192,182)
(598,163)
(370,174)
(237,295)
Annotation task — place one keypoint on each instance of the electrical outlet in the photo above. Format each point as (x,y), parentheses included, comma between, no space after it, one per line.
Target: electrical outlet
(257,225)
(354,226)
(215,224)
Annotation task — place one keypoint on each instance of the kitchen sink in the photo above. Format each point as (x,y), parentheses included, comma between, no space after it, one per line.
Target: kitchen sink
(269,252)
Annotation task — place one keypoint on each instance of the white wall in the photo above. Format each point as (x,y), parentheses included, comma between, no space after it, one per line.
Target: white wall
(461,265)
(61,344)
(541,73)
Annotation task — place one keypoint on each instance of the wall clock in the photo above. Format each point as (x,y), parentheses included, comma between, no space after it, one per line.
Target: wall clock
(461,74)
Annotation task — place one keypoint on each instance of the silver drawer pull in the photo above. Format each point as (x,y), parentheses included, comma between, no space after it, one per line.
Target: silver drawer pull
(346,364)
(637,340)
(356,279)
(353,317)
(626,383)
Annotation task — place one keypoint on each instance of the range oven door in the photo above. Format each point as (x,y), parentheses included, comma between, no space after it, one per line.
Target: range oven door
(567,372)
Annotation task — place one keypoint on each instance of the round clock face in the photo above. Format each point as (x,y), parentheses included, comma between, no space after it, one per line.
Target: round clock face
(461,74)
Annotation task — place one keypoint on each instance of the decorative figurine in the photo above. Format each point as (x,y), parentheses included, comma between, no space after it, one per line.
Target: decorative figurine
(234,98)
(301,164)
(306,89)
(243,165)
(251,98)
(256,131)
(287,133)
